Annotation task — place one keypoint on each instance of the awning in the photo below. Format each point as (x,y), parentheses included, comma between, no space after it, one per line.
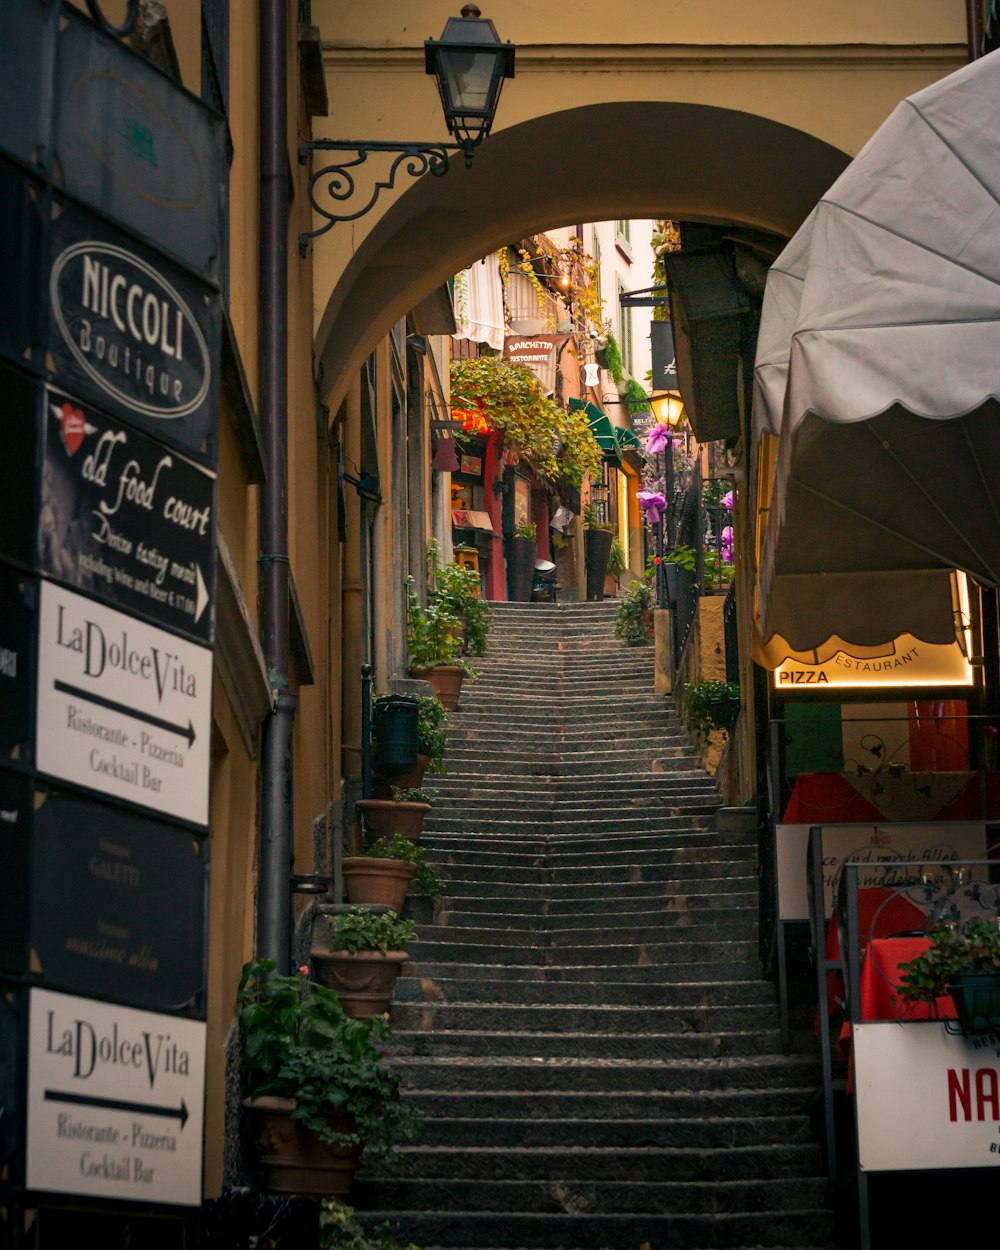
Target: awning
(627,440)
(601,428)
(878,365)
(465,518)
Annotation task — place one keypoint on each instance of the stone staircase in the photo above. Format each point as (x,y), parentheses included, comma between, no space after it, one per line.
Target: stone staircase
(584,1027)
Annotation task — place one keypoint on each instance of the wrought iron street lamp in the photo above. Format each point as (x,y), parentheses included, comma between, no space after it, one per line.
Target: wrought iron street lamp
(668,409)
(469,63)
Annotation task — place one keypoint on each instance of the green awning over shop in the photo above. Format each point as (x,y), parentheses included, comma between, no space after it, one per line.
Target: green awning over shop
(601,428)
(628,440)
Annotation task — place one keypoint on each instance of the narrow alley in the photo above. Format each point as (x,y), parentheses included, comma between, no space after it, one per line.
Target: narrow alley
(584,1026)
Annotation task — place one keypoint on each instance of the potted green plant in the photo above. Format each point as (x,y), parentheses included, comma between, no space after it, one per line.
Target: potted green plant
(315,1084)
(521,548)
(384,873)
(634,615)
(711,704)
(963,961)
(597,539)
(458,589)
(432,637)
(364,956)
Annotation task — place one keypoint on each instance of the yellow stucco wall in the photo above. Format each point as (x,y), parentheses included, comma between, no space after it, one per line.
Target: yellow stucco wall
(723,112)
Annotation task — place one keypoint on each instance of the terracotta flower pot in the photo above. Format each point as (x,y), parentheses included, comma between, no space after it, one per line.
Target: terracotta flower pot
(384,817)
(446,680)
(295,1160)
(364,980)
(371,880)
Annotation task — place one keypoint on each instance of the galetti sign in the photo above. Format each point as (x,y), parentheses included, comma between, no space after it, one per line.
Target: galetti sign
(133,333)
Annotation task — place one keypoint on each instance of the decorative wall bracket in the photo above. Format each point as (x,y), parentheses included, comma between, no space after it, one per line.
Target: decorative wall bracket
(336,183)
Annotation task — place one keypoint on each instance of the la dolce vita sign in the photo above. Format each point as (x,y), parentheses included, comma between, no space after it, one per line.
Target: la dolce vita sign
(115,1101)
(123,707)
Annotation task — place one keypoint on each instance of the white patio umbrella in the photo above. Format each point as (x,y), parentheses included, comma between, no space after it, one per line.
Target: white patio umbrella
(889,301)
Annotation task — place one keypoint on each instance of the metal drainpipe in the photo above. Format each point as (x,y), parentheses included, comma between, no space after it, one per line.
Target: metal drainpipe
(973,15)
(274,892)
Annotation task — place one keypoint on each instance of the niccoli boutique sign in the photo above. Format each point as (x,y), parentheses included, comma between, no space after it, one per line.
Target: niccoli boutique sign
(133,333)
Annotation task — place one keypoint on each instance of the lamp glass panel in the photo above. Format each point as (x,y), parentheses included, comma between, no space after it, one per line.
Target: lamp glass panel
(469,76)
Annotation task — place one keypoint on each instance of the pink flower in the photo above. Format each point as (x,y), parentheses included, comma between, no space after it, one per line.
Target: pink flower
(727,501)
(652,503)
(726,544)
(658,439)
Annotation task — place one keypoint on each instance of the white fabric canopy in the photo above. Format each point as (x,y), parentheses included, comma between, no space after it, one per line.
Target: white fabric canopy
(479,303)
(879,360)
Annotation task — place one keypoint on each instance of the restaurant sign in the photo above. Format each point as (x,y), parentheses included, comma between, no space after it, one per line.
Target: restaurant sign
(109,890)
(908,662)
(538,353)
(115,1101)
(125,518)
(123,708)
(133,333)
(926,1098)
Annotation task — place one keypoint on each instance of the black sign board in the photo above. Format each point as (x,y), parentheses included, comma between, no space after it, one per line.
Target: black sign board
(125,518)
(661,336)
(117,903)
(132,332)
(18,599)
(21,251)
(133,144)
(26,38)
(69,1228)
(19,431)
(16,793)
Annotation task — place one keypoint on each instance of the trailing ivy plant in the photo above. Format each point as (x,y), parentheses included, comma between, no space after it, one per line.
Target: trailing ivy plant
(711,704)
(613,359)
(974,947)
(635,397)
(631,615)
(432,633)
(297,1042)
(339,1230)
(512,403)
(458,590)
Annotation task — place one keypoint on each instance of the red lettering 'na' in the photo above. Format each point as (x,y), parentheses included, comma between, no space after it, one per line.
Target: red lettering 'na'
(958,1091)
(987,1094)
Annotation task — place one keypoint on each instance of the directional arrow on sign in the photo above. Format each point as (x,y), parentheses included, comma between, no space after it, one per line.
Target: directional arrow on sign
(135,713)
(201,594)
(118,1104)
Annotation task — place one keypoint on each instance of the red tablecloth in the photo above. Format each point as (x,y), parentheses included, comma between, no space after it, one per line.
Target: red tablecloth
(880,977)
(831,799)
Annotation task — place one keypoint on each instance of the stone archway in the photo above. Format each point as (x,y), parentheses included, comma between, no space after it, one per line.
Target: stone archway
(689,161)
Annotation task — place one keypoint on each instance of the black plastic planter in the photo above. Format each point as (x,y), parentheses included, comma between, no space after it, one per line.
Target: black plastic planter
(596,553)
(520,569)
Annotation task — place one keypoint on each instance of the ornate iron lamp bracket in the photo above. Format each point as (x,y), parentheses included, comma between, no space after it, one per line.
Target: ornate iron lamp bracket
(336,183)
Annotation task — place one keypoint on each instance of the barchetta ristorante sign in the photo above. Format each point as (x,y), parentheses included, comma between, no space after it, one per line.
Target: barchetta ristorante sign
(133,333)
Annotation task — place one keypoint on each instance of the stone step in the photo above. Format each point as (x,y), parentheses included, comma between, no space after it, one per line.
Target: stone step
(606,955)
(719,1107)
(585,913)
(502,1179)
(694,864)
(552,1075)
(460,986)
(704,973)
(556,844)
(479,1230)
(689,818)
(742,928)
(755,1126)
(498,1045)
(558,892)
(635,1020)
(680,917)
